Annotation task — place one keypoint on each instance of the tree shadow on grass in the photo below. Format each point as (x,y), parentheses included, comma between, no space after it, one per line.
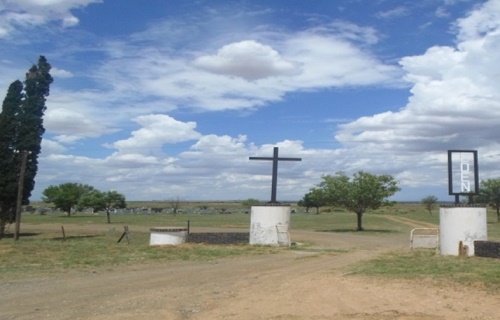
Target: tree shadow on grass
(21,235)
(360,232)
(75,237)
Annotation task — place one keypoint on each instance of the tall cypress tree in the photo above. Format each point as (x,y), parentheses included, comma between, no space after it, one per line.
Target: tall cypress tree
(9,167)
(31,129)
(22,115)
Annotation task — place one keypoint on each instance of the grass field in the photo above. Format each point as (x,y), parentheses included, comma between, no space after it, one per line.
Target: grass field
(92,243)
(426,265)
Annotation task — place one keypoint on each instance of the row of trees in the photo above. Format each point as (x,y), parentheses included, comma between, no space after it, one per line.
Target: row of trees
(362,192)
(21,130)
(68,196)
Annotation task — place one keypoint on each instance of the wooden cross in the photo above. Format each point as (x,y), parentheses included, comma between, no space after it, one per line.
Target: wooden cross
(275,160)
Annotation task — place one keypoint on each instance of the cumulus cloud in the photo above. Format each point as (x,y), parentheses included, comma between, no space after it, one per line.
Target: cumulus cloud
(156,130)
(246,74)
(221,145)
(70,125)
(51,147)
(249,60)
(213,165)
(30,13)
(60,73)
(455,103)
(481,22)
(332,62)
(143,82)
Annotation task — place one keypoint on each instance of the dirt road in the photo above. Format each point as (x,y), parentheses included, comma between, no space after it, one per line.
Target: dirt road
(294,284)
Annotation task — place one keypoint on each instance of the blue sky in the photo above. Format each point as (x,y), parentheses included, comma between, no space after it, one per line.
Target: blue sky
(167,99)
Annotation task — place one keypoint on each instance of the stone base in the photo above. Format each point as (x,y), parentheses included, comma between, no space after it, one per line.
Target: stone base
(269,225)
(459,227)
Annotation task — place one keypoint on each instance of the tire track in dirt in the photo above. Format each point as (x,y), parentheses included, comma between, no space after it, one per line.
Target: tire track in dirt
(410,222)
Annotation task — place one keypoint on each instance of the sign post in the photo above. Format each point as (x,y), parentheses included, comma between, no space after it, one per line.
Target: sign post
(463,177)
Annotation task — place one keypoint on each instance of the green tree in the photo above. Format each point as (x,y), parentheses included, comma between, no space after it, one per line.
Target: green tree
(364,191)
(250,202)
(21,129)
(429,203)
(67,195)
(315,198)
(31,129)
(107,201)
(489,193)
(9,159)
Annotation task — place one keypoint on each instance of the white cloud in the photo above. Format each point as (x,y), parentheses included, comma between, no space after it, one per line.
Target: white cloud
(144,80)
(157,130)
(51,147)
(442,12)
(480,22)
(71,124)
(393,13)
(220,145)
(249,60)
(243,74)
(216,167)
(455,104)
(30,13)
(60,73)
(331,62)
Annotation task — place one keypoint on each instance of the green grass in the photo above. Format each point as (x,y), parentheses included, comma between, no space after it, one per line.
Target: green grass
(92,243)
(346,222)
(146,220)
(426,264)
(42,253)
(326,222)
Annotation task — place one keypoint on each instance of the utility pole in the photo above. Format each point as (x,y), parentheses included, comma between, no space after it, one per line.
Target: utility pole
(24,159)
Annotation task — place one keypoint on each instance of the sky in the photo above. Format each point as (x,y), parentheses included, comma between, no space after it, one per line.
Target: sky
(168,99)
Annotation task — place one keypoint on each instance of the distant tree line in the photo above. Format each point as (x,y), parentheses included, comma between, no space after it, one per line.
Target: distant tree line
(70,195)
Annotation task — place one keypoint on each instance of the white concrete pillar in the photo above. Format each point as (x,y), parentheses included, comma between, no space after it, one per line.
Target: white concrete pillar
(269,225)
(461,223)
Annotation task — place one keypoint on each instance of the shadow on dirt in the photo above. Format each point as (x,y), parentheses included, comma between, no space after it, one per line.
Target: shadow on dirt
(365,231)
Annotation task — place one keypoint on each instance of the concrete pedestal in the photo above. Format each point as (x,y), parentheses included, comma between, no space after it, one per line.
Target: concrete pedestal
(269,225)
(461,224)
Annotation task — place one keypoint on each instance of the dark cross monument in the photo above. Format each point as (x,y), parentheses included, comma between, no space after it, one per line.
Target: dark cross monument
(275,160)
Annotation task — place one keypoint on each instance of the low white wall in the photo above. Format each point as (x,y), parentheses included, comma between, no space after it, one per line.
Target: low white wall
(167,236)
